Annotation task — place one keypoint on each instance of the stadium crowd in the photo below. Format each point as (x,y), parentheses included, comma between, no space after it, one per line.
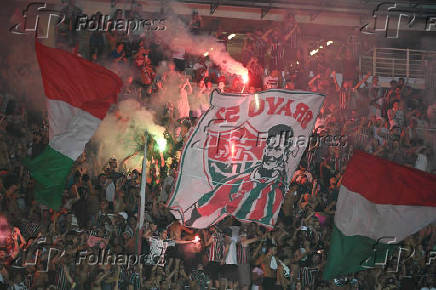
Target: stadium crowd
(69,248)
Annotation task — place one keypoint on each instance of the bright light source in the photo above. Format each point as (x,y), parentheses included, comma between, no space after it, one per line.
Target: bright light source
(231,36)
(315,51)
(161,144)
(196,239)
(206,54)
(329,42)
(256,101)
(321,46)
(298,62)
(245,78)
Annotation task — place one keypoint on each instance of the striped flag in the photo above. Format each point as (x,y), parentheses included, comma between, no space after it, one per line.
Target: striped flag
(241,157)
(79,93)
(380,203)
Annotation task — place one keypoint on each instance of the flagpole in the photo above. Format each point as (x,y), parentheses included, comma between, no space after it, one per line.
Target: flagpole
(142,194)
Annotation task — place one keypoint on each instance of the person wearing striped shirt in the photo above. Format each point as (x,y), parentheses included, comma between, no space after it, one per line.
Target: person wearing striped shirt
(347,92)
(215,246)
(158,247)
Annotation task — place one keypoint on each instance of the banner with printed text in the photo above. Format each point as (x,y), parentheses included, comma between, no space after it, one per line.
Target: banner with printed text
(241,156)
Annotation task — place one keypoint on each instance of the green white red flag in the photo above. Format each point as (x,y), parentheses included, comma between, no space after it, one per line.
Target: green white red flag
(79,93)
(380,203)
(241,156)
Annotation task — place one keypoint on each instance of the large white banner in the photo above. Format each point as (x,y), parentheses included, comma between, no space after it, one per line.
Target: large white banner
(241,156)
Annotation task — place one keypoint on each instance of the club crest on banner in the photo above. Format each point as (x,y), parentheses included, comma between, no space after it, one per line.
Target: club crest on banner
(231,151)
(241,157)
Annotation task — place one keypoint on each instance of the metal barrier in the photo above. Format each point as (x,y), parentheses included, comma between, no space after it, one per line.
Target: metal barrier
(396,62)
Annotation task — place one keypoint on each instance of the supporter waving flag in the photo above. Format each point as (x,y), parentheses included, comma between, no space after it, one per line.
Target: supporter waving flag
(241,157)
(380,203)
(79,93)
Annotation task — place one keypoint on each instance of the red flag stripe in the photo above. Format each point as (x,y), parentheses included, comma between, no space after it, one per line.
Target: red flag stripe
(84,85)
(278,198)
(383,182)
(259,209)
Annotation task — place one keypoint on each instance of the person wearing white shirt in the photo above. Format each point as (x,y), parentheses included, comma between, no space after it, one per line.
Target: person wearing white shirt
(110,193)
(231,260)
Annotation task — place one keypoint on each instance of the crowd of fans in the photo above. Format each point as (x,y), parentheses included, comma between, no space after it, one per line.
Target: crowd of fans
(68,248)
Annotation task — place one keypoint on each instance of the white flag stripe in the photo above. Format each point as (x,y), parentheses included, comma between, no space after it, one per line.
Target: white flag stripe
(70,128)
(355,215)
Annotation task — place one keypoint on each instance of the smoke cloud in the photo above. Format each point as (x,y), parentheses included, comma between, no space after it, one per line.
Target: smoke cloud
(178,35)
(121,135)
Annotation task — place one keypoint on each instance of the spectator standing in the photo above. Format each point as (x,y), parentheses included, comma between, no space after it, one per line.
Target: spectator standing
(255,73)
(259,40)
(269,266)
(96,40)
(231,258)
(243,251)
(109,186)
(396,116)
(215,249)
(196,23)
(182,106)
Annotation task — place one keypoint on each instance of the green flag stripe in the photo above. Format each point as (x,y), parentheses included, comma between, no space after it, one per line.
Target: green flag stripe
(248,203)
(50,170)
(350,254)
(269,207)
(233,188)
